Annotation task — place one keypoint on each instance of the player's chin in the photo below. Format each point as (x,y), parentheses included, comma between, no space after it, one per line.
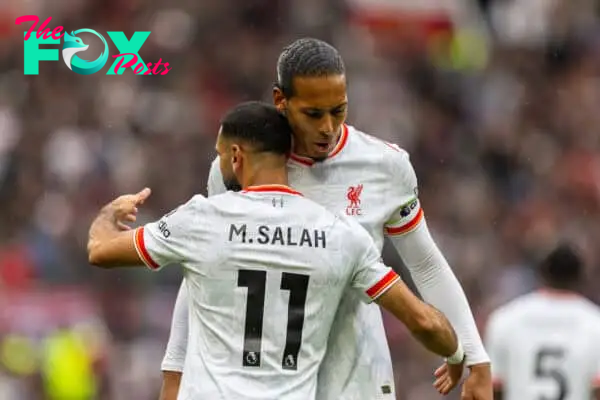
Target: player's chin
(318,158)
(319,153)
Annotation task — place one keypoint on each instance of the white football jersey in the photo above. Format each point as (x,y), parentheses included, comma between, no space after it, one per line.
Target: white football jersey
(374,183)
(545,345)
(265,270)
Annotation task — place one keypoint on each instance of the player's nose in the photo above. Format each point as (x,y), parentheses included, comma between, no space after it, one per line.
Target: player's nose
(327,127)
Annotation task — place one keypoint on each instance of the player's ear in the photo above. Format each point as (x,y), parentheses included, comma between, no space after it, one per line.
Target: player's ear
(236,156)
(279,99)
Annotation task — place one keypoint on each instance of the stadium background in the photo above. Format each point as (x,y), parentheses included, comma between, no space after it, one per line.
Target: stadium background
(497,102)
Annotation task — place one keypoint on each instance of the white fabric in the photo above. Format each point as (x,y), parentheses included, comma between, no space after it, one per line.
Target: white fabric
(374,183)
(542,342)
(273,257)
(438,286)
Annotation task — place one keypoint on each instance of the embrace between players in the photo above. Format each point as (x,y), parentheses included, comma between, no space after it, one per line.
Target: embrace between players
(282,260)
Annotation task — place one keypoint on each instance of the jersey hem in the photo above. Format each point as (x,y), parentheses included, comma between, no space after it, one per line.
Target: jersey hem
(171,367)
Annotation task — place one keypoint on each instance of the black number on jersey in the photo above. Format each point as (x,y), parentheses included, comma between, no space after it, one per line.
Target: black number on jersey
(255,281)
(547,361)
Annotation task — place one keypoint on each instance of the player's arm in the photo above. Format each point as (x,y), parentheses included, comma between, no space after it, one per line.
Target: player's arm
(429,269)
(154,245)
(426,324)
(170,385)
(381,284)
(172,365)
(596,373)
(496,333)
(111,242)
(174,359)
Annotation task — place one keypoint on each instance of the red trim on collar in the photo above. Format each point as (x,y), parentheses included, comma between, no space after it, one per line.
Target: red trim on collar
(338,147)
(271,188)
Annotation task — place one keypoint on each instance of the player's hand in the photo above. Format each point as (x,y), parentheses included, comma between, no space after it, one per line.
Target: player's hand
(448,376)
(478,385)
(124,208)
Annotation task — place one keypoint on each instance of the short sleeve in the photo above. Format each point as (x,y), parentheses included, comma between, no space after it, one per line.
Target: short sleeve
(215,179)
(370,276)
(403,193)
(167,241)
(494,343)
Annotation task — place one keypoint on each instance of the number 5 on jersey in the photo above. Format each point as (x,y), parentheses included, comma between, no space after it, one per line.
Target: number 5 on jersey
(255,281)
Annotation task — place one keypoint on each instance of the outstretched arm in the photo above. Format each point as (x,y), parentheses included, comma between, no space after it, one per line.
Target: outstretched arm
(111,242)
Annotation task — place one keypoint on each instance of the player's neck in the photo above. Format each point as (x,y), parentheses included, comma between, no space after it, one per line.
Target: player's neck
(266,173)
(558,292)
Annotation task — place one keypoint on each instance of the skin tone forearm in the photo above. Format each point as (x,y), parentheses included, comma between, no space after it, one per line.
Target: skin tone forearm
(439,337)
(170,385)
(103,228)
(427,324)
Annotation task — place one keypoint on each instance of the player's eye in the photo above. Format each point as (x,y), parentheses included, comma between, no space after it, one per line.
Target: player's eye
(314,114)
(338,112)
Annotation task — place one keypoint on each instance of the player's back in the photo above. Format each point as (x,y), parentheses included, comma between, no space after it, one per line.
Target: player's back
(545,345)
(263,296)
(368,180)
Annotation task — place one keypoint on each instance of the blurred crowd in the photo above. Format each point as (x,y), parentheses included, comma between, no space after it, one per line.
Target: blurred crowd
(495,100)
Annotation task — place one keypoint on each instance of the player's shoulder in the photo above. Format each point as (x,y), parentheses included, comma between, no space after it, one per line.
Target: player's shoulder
(352,233)
(589,310)
(225,199)
(370,143)
(513,310)
(193,205)
(393,158)
(197,201)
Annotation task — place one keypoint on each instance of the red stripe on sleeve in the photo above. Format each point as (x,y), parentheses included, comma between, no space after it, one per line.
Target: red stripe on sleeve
(383,284)
(140,245)
(406,227)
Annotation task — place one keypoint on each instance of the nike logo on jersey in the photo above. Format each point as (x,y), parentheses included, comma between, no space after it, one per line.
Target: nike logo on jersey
(278,236)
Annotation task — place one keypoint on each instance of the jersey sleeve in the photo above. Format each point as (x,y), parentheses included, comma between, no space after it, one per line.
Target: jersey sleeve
(494,342)
(370,277)
(215,179)
(403,193)
(168,240)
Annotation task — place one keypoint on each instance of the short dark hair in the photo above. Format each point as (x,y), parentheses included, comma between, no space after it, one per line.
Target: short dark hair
(259,124)
(307,57)
(562,268)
